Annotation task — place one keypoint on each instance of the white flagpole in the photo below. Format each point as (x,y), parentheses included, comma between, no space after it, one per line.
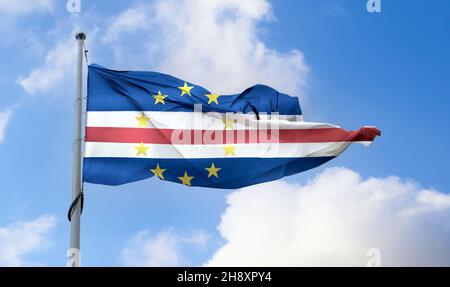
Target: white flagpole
(76,175)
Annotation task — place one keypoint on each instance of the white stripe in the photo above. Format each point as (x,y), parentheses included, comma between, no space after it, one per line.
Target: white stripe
(185,120)
(266,150)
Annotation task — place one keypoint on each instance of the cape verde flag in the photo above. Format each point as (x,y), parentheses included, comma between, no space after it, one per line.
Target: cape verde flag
(144,124)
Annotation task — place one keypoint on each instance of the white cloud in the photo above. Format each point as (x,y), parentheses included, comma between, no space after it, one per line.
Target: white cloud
(5,116)
(59,66)
(213,43)
(130,20)
(333,220)
(23,7)
(17,34)
(24,237)
(163,249)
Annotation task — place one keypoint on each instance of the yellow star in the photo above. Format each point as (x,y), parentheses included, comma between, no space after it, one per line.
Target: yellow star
(158,171)
(212,98)
(143,120)
(186,179)
(213,171)
(229,149)
(159,98)
(141,149)
(228,123)
(186,89)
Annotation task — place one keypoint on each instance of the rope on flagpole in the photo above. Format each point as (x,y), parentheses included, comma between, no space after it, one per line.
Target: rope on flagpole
(80,199)
(86,51)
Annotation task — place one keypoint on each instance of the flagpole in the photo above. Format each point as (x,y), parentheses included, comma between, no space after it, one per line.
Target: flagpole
(75,213)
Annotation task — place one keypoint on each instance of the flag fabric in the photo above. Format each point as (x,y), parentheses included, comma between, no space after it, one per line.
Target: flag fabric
(145,124)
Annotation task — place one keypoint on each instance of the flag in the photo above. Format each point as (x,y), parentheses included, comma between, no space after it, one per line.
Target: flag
(149,124)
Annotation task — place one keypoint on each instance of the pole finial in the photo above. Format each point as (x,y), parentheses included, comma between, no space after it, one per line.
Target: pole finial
(80,36)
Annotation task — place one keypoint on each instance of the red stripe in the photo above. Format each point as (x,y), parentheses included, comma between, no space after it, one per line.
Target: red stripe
(164,136)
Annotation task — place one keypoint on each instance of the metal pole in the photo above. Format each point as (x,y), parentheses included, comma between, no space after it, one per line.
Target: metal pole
(76,179)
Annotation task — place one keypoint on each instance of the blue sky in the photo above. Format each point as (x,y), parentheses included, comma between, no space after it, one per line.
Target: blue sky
(349,67)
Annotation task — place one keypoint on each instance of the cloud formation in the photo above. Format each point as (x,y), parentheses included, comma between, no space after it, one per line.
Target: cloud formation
(58,67)
(131,20)
(334,220)
(162,249)
(4,121)
(22,238)
(213,43)
(218,46)
(24,7)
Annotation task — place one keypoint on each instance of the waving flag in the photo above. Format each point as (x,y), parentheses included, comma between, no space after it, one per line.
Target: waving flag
(144,124)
